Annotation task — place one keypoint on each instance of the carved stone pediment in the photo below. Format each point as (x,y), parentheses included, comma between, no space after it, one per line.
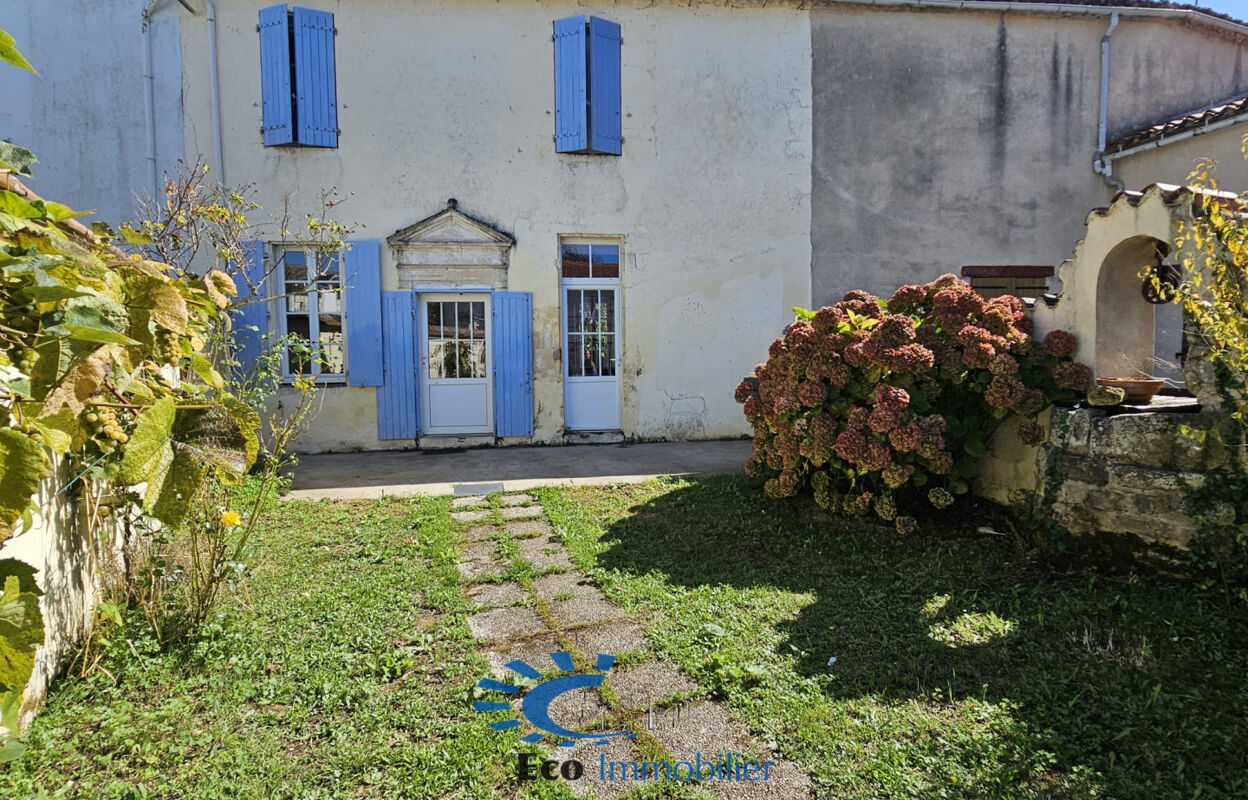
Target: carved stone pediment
(451,249)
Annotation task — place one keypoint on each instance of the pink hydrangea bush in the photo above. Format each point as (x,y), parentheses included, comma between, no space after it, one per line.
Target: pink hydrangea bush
(877,405)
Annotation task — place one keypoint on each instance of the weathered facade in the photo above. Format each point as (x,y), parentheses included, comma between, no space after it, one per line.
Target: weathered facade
(757,156)
(947,136)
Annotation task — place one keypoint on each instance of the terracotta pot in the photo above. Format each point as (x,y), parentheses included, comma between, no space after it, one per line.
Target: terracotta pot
(1139,391)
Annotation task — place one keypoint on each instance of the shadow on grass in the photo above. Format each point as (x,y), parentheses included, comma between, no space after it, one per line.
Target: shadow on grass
(1138,678)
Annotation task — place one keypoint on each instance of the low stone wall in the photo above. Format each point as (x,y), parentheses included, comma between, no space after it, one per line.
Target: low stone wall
(67,559)
(1119,473)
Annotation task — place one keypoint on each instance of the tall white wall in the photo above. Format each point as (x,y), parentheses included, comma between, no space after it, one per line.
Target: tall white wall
(83,114)
(456,99)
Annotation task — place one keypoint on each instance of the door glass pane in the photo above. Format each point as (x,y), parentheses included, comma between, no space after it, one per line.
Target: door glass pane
(576,367)
(606,261)
(463,321)
(608,310)
(590,311)
(575,261)
(434,311)
(608,355)
(478,324)
(574,310)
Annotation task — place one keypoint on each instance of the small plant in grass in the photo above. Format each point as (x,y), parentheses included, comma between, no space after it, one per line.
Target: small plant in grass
(887,405)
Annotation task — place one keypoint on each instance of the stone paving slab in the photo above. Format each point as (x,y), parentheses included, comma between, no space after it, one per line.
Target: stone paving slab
(585,610)
(614,638)
(497,594)
(479,560)
(705,727)
(535,651)
(641,686)
(590,784)
(529,527)
(501,624)
(480,532)
(535,552)
(516,499)
(470,516)
(570,584)
(468,501)
(520,512)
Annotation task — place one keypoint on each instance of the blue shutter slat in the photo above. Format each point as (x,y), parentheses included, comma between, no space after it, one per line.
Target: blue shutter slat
(396,397)
(571,107)
(275,76)
(513,363)
(604,86)
(250,322)
(361,271)
(315,78)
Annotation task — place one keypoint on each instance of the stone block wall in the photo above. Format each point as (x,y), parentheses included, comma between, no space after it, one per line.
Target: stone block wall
(1116,473)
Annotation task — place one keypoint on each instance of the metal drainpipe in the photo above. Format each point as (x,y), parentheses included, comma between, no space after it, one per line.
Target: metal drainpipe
(1100,164)
(149,98)
(217,150)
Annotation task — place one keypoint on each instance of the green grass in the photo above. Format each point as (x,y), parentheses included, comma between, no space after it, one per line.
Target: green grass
(340,671)
(966,668)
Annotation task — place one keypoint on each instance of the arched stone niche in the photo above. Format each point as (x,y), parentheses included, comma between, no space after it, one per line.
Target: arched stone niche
(1101,300)
(451,250)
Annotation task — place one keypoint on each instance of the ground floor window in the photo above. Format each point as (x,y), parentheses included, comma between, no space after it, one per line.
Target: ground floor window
(311,314)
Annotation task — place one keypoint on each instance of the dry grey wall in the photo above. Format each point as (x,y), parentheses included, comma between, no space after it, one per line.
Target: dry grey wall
(948,137)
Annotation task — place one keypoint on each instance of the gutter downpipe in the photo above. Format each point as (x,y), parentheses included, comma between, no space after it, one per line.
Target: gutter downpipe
(217,150)
(149,97)
(1100,164)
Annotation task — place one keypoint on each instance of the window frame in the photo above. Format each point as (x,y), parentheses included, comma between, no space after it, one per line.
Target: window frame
(280,296)
(615,284)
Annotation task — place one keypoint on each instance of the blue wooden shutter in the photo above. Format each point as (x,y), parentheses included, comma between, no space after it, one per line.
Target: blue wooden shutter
(604,86)
(275,76)
(361,274)
(571,106)
(316,87)
(513,363)
(250,322)
(397,416)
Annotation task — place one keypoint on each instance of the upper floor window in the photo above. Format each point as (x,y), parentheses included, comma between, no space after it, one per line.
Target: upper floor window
(297,79)
(312,315)
(587,86)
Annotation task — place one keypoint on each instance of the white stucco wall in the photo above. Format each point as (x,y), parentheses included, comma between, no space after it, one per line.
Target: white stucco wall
(455,99)
(83,114)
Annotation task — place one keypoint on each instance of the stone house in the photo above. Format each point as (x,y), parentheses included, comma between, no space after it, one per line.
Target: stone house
(586,221)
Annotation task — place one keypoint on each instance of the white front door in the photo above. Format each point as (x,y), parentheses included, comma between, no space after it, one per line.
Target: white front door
(455,366)
(591,346)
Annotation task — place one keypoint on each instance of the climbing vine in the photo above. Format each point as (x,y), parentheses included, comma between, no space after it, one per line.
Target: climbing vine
(105,379)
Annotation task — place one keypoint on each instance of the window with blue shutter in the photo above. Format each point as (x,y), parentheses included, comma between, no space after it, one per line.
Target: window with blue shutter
(297,77)
(512,325)
(587,86)
(361,268)
(397,397)
(250,322)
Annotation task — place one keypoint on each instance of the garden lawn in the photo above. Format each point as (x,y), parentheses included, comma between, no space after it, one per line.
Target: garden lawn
(963,666)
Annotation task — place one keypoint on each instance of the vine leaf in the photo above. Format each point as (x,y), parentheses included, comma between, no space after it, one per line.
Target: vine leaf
(148,453)
(21,631)
(161,299)
(83,380)
(21,468)
(16,159)
(10,53)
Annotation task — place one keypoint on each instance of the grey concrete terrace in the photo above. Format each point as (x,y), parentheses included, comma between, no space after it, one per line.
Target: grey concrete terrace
(437,472)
